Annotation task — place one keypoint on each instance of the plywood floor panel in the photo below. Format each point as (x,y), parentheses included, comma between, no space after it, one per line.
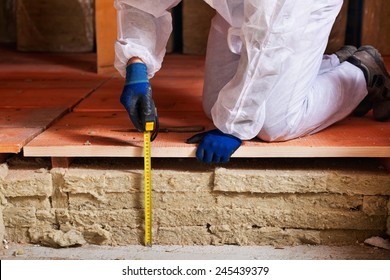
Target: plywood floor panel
(36,89)
(13,139)
(99,126)
(176,87)
(20,125)
(89,134)
(30,117)
(173,96)
(36,63)
(42,98)
(108,134)
(29,82)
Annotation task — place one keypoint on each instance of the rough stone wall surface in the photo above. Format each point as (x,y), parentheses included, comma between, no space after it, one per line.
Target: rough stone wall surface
(388,218)
(3,174)
(253,202)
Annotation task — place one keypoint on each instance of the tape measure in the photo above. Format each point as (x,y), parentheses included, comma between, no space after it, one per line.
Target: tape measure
(148,184)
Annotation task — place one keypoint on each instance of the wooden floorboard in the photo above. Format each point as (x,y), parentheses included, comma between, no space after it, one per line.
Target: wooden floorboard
(13,139)
(42,98)
(30,117)
(91,134)
(168,95)
(83,134)
(56,106)
(36,89)
(18,126)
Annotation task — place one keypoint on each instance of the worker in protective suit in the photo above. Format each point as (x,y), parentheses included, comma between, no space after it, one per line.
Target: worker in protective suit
(265,74)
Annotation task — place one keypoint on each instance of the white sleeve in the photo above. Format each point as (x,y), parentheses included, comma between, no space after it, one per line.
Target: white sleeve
(144,27)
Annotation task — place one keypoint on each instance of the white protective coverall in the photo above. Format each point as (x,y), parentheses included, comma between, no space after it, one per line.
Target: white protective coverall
(265,72)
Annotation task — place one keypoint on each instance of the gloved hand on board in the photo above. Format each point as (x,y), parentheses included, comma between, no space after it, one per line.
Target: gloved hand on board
(215,146)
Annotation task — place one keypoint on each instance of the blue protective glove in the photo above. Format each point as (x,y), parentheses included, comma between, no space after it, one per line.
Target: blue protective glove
(137,96)
(215,146)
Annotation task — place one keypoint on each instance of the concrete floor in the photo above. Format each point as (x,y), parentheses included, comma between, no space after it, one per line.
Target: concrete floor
(90,252)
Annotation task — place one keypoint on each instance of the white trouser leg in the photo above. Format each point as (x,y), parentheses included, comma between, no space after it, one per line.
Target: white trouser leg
(334,94)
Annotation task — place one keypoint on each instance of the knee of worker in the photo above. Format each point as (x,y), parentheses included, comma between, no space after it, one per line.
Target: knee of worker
(274,134)
(276,125)
(281,129)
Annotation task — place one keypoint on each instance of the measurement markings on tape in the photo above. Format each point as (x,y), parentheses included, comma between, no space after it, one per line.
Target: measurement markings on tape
(148,187)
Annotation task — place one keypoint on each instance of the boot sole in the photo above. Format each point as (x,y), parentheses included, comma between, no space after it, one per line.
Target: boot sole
(374,53)
(379,111)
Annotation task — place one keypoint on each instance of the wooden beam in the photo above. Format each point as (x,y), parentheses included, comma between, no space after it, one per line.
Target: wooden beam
(386,163)
(376,23)
(106,33)
(61,162)
(4,157)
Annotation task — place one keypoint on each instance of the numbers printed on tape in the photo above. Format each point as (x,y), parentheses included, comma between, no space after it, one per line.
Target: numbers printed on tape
(147,189)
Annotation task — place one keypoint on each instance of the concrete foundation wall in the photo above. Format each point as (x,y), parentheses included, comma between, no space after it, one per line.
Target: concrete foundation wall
(248,202)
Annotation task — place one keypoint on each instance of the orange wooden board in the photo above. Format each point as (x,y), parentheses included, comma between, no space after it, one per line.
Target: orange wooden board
(42,98)
(26,112)
(108,134)
(19,126)
(30,117)
(91,134)
(168,95)
(35,82)
(176,87)
(99,126)
(13,139)
(36,89)
(36,63)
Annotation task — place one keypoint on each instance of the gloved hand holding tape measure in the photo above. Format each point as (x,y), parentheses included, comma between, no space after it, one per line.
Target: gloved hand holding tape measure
(137,97)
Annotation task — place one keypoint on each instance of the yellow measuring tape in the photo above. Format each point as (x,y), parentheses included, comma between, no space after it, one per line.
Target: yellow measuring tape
(148,184)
